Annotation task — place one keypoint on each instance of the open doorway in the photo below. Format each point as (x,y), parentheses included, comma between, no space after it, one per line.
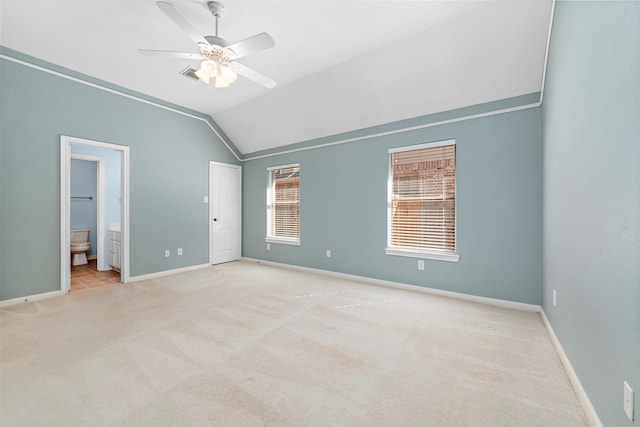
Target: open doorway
(88,168)
(95,198)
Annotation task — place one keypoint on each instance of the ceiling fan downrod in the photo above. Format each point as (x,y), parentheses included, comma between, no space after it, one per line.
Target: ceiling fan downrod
(217,10)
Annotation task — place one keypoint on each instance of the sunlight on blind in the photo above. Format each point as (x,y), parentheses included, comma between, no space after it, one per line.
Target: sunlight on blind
(285,203)
(423,199)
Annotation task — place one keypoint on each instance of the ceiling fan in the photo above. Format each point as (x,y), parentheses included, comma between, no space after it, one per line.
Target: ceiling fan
(219,67)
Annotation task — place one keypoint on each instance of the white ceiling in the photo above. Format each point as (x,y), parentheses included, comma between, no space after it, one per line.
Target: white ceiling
(340,65)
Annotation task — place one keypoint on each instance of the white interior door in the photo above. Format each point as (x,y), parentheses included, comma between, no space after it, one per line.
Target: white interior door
(225,212)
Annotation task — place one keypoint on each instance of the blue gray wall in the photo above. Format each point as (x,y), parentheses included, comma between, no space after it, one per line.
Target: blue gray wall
(84,212)
(591,111)
(344,194)
(170,154)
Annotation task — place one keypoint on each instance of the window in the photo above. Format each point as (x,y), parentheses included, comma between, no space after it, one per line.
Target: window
(283,205)
(422,201)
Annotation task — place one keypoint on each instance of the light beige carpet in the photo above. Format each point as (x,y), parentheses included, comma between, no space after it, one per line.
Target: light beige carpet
(245,344)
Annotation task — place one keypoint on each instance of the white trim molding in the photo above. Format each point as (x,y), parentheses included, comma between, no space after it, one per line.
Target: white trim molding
(546,51)
(396,131)
(406,287)
(167,273)
(65,197)
(440,256)
(31,298)
(282,241)
(434,144)
(583,398)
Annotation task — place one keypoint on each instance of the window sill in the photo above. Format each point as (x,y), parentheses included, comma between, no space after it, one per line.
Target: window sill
(414,253)
(282,241)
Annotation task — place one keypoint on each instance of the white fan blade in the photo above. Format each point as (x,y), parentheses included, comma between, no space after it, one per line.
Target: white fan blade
(256,43)
(252,75)
(170,54)
(181,22)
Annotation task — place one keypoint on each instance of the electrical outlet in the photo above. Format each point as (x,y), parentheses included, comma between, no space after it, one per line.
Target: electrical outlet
(205,199)
(420,264)
(167,253)
(628,401)
(179,251)
(555,298)
(328,253)
(268,246)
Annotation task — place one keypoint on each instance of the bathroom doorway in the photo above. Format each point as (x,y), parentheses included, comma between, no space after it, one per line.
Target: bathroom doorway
(107,211)
(89,207)
(86,208)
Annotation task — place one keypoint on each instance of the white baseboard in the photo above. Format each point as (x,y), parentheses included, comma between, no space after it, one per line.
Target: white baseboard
(575,381)
(457,295)
(92,257)
(167,273)
(53,294)
(31,298)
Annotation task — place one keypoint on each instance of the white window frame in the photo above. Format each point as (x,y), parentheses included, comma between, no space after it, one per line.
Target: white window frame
(270,238)
(417,252)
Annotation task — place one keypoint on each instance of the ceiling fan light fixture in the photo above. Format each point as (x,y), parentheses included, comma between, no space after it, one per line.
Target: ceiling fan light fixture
(225,77)
(229,75)
(202,76)
(207,71)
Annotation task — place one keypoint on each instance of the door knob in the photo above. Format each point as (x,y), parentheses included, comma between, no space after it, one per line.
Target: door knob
(215,219)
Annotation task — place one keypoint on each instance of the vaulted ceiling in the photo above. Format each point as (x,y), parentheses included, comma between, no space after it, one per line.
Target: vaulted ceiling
(340,65)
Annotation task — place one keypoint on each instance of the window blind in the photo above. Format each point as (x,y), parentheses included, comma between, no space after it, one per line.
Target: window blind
(423,199)
(285,203)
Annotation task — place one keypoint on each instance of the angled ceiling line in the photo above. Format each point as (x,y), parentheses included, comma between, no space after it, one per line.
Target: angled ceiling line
(437,123)
(546,50)
(400,130)
(123,94)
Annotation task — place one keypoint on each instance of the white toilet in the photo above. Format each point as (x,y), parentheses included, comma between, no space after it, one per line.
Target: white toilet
(79,246)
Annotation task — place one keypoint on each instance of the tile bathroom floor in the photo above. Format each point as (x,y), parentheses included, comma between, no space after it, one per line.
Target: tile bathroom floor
(87,276)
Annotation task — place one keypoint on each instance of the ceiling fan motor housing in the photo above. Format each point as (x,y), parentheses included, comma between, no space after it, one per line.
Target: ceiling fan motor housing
(216,50)
(216,41)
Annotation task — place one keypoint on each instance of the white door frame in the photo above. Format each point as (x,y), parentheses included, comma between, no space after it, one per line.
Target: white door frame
(210,198)
(65,200)
(99,204)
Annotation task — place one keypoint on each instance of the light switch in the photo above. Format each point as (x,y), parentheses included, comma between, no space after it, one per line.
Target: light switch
(628,401)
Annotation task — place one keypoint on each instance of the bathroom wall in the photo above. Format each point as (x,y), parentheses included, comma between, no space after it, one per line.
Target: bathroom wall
(111,203)
(84,212)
